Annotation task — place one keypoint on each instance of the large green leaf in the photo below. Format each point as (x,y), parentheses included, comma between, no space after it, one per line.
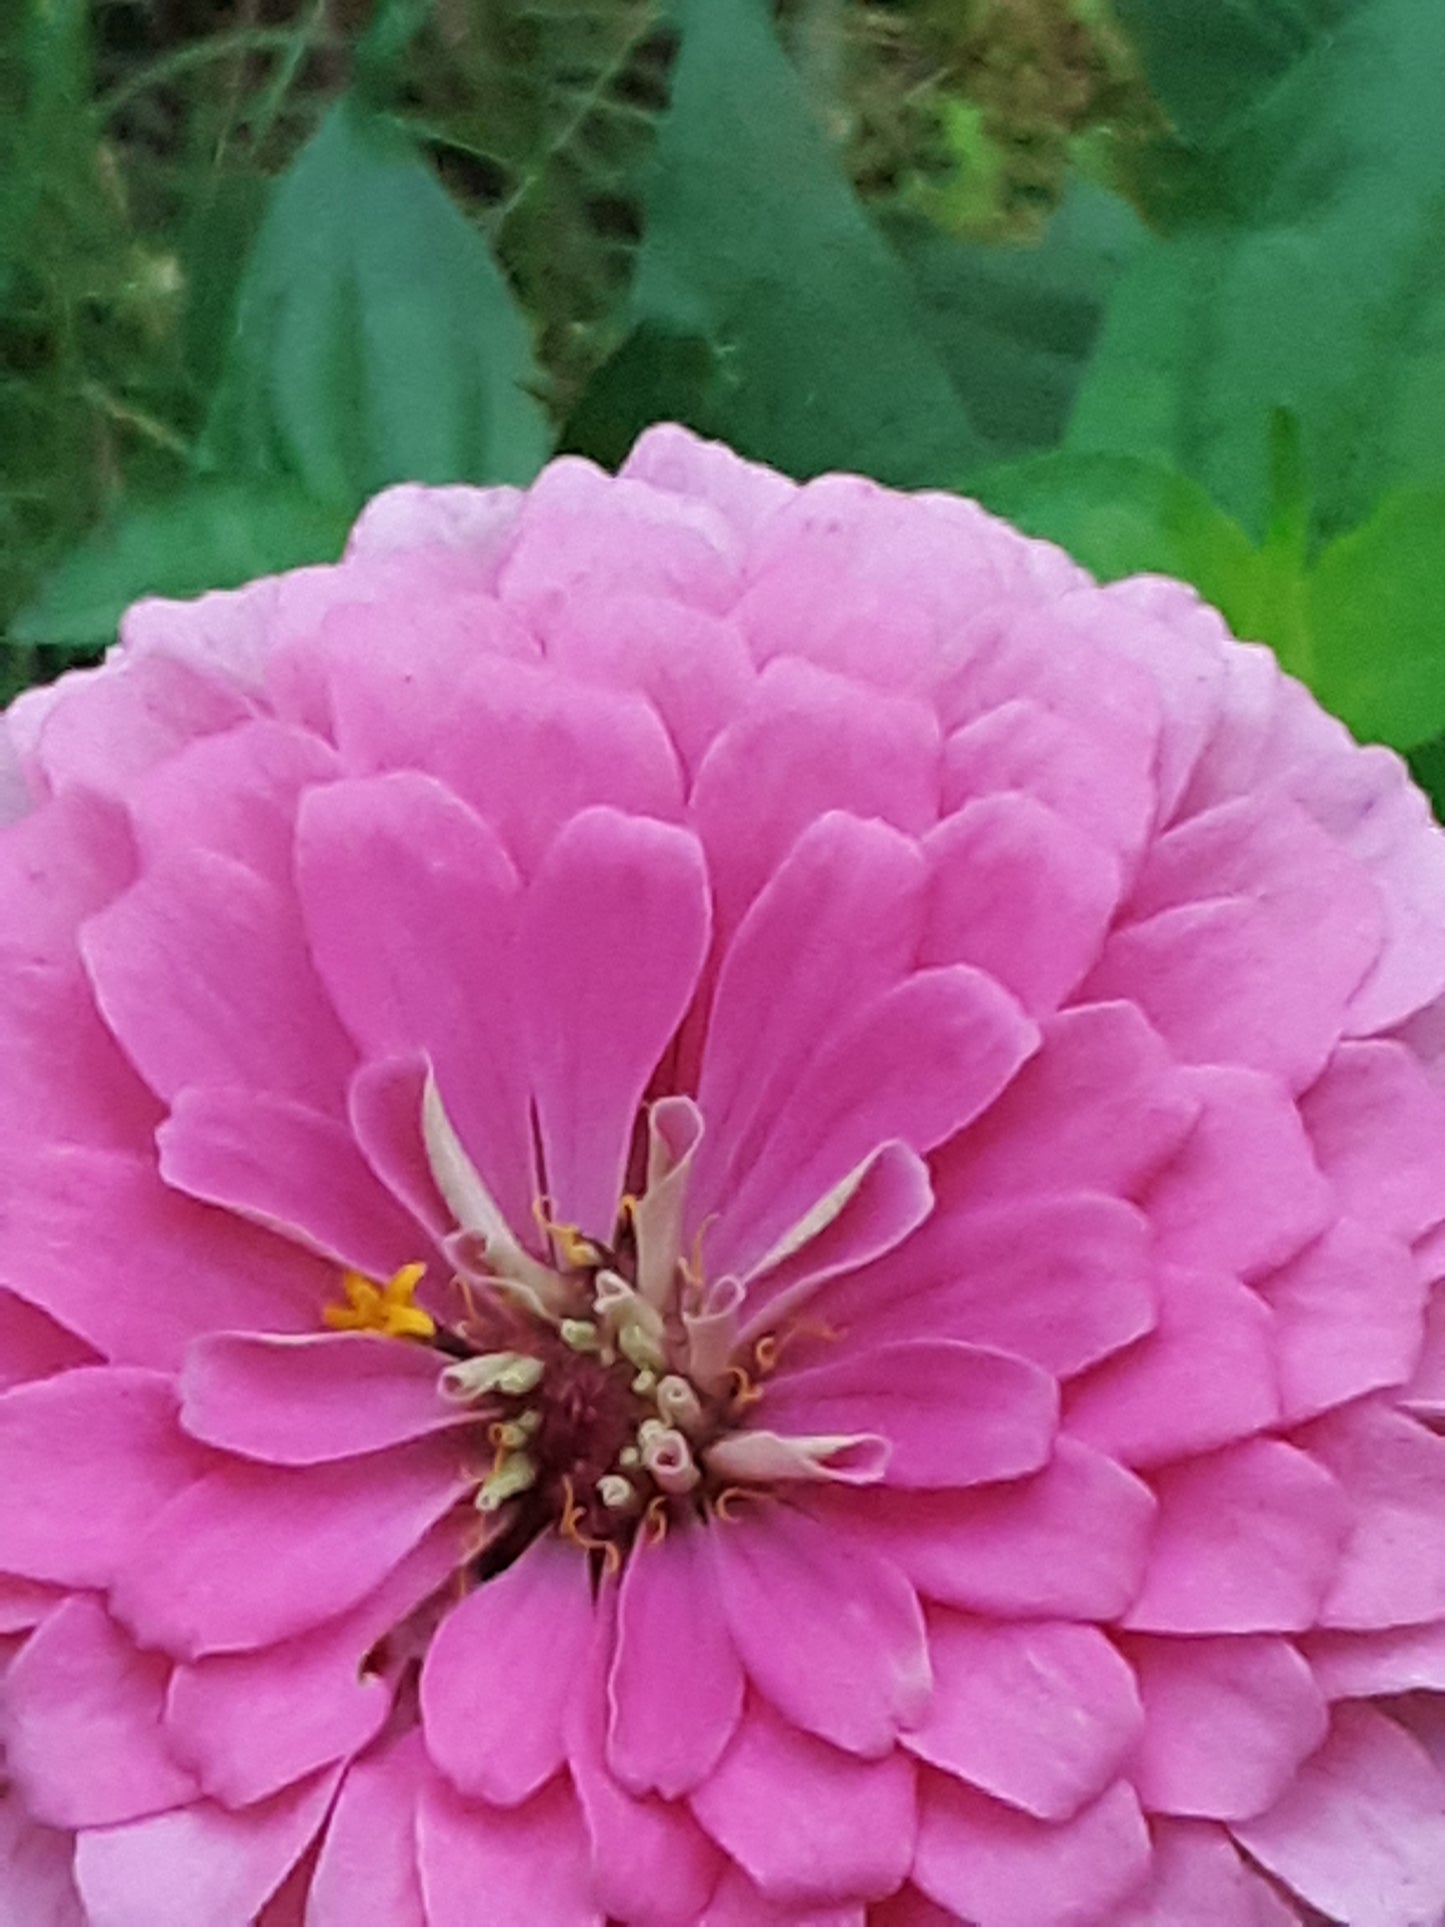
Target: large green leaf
(375,339)
(1325,296)
(216,536)
(755,246)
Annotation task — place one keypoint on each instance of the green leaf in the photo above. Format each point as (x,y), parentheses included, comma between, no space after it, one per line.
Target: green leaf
(756,246)
(1325,296)
(216,536)
(376,340)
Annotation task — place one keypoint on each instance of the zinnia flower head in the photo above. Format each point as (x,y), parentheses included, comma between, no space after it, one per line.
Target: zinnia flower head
(721,1204)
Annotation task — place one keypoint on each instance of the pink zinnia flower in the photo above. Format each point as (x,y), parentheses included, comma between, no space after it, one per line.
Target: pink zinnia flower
(720,1205)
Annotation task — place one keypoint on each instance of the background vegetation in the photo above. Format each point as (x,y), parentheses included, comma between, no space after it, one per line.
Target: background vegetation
(1162,280)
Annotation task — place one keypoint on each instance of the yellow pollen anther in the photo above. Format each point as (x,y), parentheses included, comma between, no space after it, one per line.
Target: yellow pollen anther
(385,1309)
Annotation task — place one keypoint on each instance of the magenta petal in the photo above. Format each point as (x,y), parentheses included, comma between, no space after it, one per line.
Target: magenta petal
(852,1676)
(1227,1723)
(614,933)
(25,1602)
(1197,1875)
(63,1440)
(953,1414)
(202,972)
(1039,1714)
(366,1873)
(1247,1540)
(33,1345)
(809,1824)
(738,1902)
(500,1671)
(1378,1128)
(385,1107)
(410,904)
(235,793)
(198,1863)
(1001,1868)
(290,1169)
(255,1553)
(1360,1833)
(1392,1569)
(83,1736)
(1070,1541)
(1407,1659)
(37,1884)
(676,1688)
(526,1865)
(250,1723)
(303,1401)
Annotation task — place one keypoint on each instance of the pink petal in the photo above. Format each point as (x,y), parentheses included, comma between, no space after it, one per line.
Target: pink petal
(917,1064)
(829,1631)
(289,1169)
(197,1863)
(65,1440)
(1392,1569)
(613,937)
(1040,1715)
(500,1671)
(1227,1723)
(1202,1378)
(102,732)
(95,1239)
(250,1723)
(379,863)
(1071,1541)
(810,1825)
(1247,1540)
(304,1401)
(66,1080)
(739,1903)
(530,1862)
(60,865)
(672,458)
(83,1734)
(385,1110)
(474,522)
(1022,894)
(1062,1281)
(1244,1193)
(1407,1659)
(202,972)
(1000,1868)
(37,1885)
(676,1688)
(1099,1107)
(32,1345)
(256,1553)
(1360,1834)
(1378,1128)
(366,1875)
(1196,1874)
(1349,1318)
(953,1414)
(25,1602)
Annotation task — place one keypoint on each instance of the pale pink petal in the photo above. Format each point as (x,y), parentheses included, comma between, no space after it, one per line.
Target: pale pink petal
(1039,1714)
(500,1671)
(953,1414)
(306,1400)
(676,1688)
(289,1169)
(1071,1541)
(193,1583)
(37,1884)
(1022,894)
(95,1239)
(1244,1193)
(614,933)
(997,1867)
(1227,1723)
(1378,1128)
(63,863)
(103,731)
(808,1824)
(476,522)
(1247,1540)
(410,904)
(672,458)
(202,972)
(1204,1377)
(1360,1833)
(1196,1876)
(530,1862)
(366,1874)
(854,1678)
(1392,1569)
(67,1081)
(197,1863)
(248,1724)
(83,1734)
(89,1457)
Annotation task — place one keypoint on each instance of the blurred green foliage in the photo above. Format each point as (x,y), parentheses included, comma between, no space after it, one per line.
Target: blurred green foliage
(1163,282)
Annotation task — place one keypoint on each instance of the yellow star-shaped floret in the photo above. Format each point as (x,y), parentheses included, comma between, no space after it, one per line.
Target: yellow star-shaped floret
(385,1309)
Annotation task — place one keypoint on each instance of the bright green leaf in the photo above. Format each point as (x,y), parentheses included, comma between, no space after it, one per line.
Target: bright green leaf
(376,340)
(1324,297)
(215,536)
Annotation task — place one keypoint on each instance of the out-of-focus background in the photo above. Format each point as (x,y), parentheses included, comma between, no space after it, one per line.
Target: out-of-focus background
(1164,280)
